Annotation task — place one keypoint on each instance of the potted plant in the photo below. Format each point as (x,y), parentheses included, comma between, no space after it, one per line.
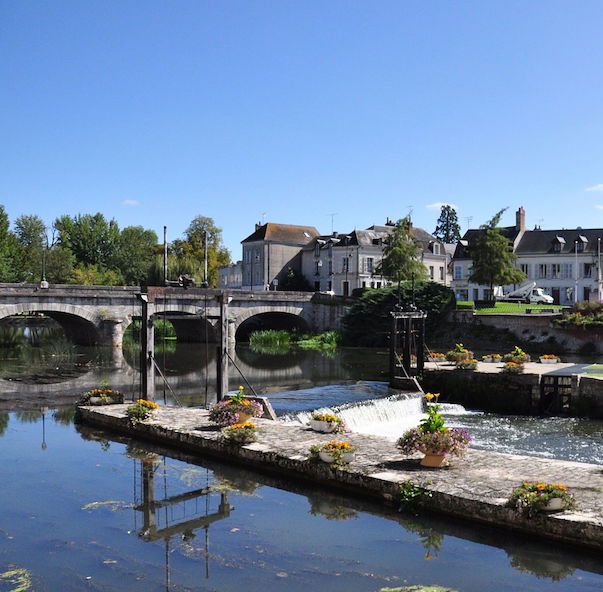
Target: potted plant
(436,357)
(517,355)
(326,422)
(141,410)
(549,359)
(531,498)
(468,364)
(491,358)
(236,409)
(512,368)
(101,396)
(240,433)
(433,438)
(459,353)
(334,452)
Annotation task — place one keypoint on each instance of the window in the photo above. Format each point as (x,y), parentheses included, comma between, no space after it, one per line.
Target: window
(541,270)
(316,250)
(555,270)
(317,268)
(330,267)
(441,274)
(378,284)
(566,271)
(329,286)
(580,247)
(345,267)
(475,293)
(458,272)
(370,262)
(431,272)
(525,268)
(588,270)
(346,288)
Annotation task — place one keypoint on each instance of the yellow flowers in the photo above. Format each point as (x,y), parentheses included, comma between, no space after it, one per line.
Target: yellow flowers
(431,396)
(147,404)
(242,426)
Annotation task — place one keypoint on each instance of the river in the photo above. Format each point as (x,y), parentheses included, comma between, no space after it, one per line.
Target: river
(81,509)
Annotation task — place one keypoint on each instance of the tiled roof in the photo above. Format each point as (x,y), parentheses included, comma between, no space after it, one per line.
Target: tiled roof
(289,234)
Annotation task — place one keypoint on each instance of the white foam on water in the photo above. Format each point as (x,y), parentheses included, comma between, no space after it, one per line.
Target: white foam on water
(389,417)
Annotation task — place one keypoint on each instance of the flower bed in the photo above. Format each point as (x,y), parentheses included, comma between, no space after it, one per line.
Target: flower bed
(517,355)
(433,437)
(334,452)
(459,353)
(101,396)
(531,498)
(469,364)
(241,433)
(512,368)
(141,410)
(236,409)
(326,423)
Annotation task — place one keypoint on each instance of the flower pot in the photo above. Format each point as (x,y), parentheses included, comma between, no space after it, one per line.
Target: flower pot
(326,427)
(432,460)
(549,360)
(554,505)
(488,360)
(243,417)
(346,457)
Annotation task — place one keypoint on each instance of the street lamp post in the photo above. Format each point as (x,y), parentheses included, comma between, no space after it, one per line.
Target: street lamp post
(599,277)
(576,272)
(44,285)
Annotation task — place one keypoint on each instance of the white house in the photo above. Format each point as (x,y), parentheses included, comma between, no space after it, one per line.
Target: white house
(565,263)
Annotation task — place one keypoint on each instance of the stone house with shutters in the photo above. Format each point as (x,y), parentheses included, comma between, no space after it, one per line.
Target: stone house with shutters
(565,263)
(340,263)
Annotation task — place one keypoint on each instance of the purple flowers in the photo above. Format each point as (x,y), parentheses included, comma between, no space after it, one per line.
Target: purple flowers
(451,441)
(231,411)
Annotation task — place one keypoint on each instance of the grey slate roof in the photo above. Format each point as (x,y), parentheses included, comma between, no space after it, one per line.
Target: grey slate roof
(543,241)
(288,234)
(463,251)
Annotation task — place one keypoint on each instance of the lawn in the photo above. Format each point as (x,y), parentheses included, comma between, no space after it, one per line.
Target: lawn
(508,307)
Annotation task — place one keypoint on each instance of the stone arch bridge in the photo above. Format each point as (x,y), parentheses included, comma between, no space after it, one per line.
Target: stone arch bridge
(100,315)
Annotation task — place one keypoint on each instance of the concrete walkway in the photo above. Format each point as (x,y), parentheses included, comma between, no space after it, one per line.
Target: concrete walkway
(561,369)
(473,488)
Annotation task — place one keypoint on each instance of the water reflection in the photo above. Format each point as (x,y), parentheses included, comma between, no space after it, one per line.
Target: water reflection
(182,498)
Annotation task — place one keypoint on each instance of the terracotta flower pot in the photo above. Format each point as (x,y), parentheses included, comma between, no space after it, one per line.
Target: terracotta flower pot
(432,460)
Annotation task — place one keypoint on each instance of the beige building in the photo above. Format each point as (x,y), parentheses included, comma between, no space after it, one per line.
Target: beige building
(271,251)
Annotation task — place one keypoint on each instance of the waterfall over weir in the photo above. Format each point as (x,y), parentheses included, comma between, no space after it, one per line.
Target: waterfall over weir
(388,416)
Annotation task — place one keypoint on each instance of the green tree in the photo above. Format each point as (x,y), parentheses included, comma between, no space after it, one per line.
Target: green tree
(8,247)
(448,229)
(30,232)
(59,265)
(91,238)
(493,257)
(294,281)
(96,275)
(402,255)
(135,254)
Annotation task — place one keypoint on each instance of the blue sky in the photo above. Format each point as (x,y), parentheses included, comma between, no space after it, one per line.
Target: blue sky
(154,112)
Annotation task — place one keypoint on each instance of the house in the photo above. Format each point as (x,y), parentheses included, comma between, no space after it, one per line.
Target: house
(271,251)
(565,263)
(340,263)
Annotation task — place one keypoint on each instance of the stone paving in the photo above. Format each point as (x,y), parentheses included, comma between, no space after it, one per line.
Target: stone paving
(560,369)
(474,487)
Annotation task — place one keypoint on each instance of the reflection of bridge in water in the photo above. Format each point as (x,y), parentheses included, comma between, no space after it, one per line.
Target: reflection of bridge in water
(188,371)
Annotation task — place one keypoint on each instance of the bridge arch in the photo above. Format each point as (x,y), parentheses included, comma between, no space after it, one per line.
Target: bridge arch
(268,317)
(80,324)
(189,326)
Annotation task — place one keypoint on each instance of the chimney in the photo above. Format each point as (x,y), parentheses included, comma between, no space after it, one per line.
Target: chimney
(520,219)
(258,225)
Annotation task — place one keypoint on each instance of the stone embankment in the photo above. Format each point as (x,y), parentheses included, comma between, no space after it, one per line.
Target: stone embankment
(540,389)
(473,488)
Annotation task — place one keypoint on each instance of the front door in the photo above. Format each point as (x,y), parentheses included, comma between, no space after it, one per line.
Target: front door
(556,294)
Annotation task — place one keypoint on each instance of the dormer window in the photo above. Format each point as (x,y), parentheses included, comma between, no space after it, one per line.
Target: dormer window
(581,243)
(558,244)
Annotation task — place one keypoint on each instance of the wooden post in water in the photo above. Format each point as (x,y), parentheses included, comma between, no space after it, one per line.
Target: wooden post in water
(147,348)
(222,349)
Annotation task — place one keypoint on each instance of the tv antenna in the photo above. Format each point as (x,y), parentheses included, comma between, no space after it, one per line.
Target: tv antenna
(468,220)
(263,217)
(540,221)
(410,211)
(332,218)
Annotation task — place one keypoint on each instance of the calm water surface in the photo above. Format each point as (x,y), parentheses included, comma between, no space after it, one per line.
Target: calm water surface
(84,510)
